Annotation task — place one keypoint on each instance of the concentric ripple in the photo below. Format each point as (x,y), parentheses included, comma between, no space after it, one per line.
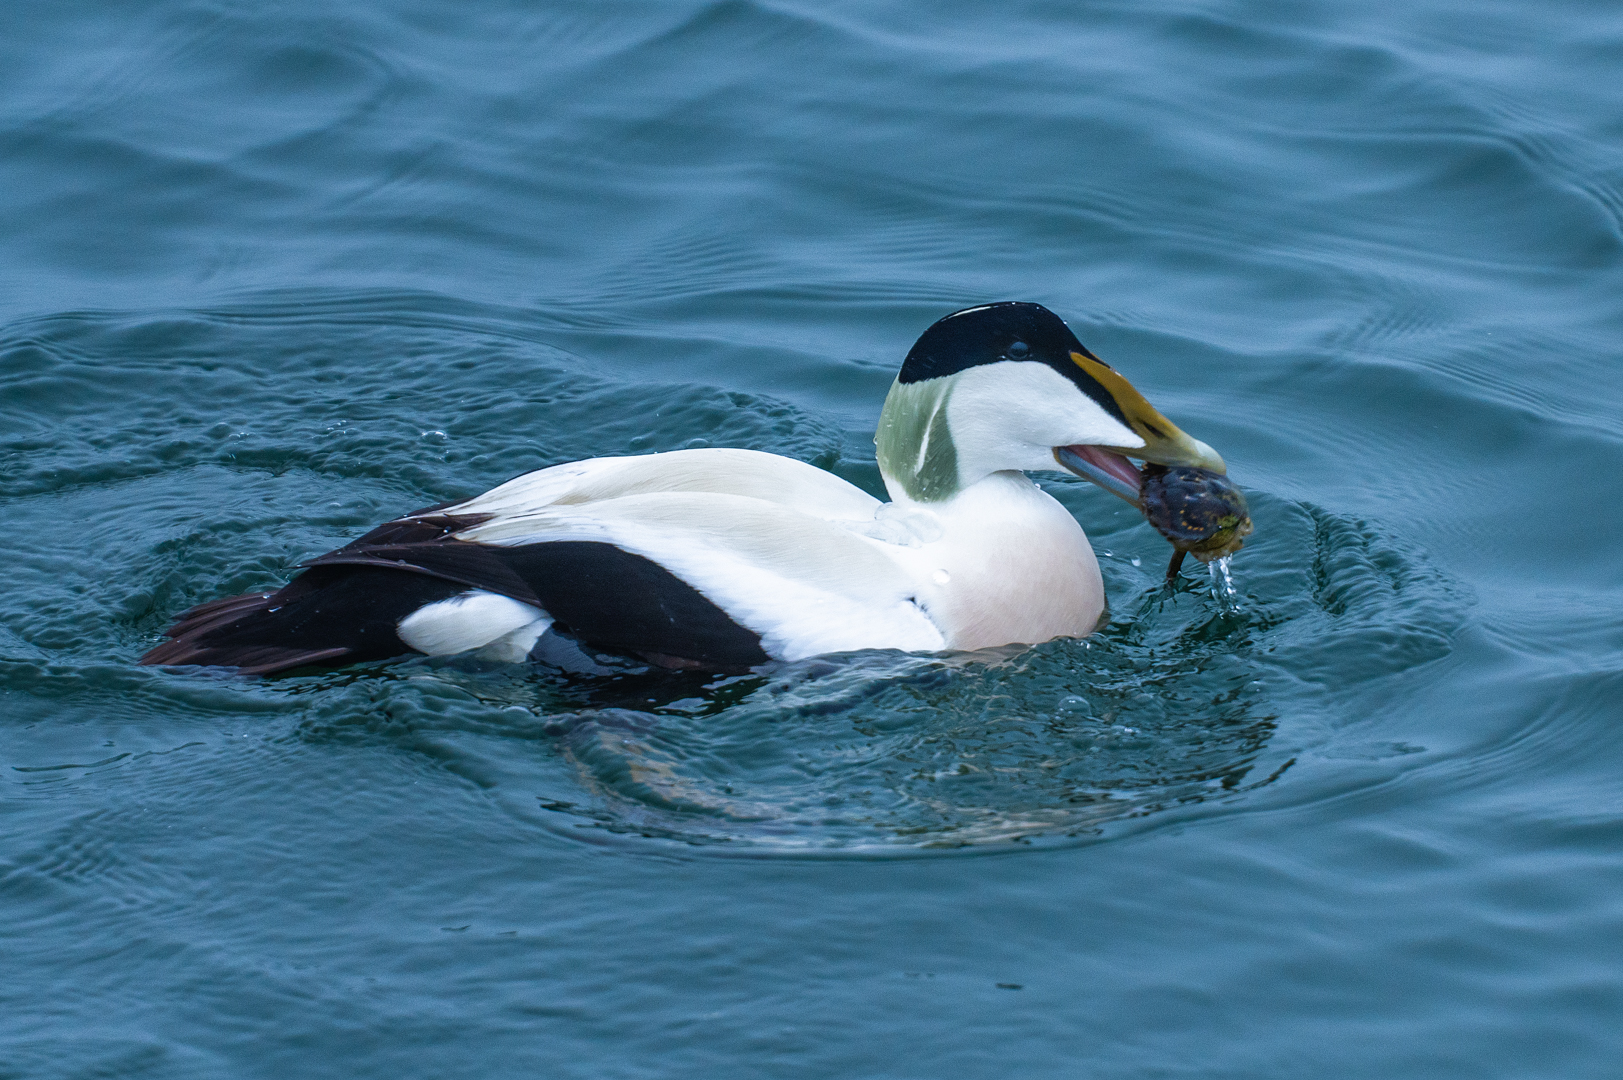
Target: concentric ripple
(1178,704)
(1185,700)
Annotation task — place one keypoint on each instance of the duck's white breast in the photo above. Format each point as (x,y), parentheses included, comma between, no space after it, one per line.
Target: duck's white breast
(1011,565)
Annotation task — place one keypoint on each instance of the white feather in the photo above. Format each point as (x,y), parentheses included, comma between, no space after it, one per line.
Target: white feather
(749,473)
(475,620)
(515,646)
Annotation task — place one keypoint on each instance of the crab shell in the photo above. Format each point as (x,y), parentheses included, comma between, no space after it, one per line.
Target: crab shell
(1197,510)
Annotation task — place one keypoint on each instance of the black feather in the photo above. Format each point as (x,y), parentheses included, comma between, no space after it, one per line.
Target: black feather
(347,613)
(348,603)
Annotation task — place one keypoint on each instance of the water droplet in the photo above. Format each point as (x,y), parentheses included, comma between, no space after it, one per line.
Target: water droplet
(1223,589)
(940,577)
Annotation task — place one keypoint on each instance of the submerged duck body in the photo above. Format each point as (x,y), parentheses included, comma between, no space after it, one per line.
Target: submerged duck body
(723,559)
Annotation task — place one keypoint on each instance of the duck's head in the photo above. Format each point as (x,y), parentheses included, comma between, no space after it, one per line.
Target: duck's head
(1008,387)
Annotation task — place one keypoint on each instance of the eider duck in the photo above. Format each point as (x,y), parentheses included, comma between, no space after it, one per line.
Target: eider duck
(720,560)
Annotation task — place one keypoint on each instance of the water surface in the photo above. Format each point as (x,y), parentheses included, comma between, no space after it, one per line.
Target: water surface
(270,275)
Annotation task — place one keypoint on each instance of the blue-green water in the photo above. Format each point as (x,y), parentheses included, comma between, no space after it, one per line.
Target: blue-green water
(271,273)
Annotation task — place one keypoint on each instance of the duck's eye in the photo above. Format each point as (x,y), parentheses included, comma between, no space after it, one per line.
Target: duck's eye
(1019,350)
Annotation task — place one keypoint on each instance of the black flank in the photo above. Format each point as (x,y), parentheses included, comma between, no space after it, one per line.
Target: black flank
(620,601)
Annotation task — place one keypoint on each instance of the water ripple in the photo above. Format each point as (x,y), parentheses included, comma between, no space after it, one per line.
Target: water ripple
(271,273)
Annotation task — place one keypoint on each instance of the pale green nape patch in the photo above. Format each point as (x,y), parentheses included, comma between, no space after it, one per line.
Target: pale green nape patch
(915,419)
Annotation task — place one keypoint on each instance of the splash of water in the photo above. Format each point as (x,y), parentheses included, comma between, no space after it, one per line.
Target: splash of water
(1223,589)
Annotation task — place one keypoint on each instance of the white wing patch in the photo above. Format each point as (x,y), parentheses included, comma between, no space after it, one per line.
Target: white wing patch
(501,626)
(750,473)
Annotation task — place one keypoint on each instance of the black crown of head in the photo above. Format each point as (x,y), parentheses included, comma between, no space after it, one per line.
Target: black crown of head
(995,333)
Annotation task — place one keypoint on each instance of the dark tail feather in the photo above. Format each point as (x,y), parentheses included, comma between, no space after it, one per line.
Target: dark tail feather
(194,621)
(325,613)
(187,642)
(248,660)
